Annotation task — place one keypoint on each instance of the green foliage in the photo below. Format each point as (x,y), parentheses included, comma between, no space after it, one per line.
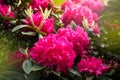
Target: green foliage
(11,75)
(30,33)
(28,67)
(35,76)
(110,22)
(74,72)
(7,45)
(20,27)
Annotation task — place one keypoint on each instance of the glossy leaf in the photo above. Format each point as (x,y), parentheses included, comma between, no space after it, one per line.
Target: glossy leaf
(75,72)
(73,25)
(56,73)
(35,76)
(37,68)
(22,50)
(29,33)
(20,27)
(27,65)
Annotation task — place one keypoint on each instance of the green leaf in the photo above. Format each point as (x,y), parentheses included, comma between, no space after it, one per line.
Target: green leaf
(22,50)
(56,73)
(89,77)
(73,25)
(85,24)
(29,33)
(75,73)
(104,78)
(20,27)
(35,76)
(27,65)
(37,68)
(111,72)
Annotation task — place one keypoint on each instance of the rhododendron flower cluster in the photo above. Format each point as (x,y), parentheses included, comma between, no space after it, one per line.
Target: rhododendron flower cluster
(59,49)
(92,65)
(40,3)
(37,22)
(80,10)
(94,5)
(78,37)
(6,11)
(77,14)
(54,52)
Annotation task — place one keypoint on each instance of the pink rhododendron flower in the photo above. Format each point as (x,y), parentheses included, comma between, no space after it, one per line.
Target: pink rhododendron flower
(92,65)
(78,10)
(54,52)
(6,11)
(96,30)
(37,18)
(94,5)
(78,37)
(76,1)
(77,14)
(40,3)
(69,3)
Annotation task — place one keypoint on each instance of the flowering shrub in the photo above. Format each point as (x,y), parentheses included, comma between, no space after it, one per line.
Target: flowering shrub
(78,37)
(55,52)
(6,11)
(37,22)
(83,13)
(92,65)
(40,3)
(69,42)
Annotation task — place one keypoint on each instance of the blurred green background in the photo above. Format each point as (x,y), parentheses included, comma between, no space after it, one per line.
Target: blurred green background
(58,2)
